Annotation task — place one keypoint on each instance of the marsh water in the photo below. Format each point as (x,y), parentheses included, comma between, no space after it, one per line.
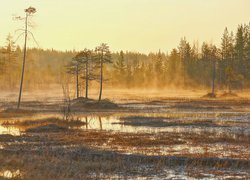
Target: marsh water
(231,123)
(149,130)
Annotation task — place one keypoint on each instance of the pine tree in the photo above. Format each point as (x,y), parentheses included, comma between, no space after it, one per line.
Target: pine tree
(173,67)
(158,69)
(86,60)
(103,57)
(240,50)
(213,59)
(74,68)
(185,54)
(247,37)
(120,68)
(227,55)
(8,62)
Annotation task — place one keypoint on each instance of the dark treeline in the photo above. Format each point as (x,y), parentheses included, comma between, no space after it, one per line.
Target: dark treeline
(188,65)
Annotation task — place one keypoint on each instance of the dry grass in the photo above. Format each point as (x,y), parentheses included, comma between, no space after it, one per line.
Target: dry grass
(78,162)
(12,112)
(30,124)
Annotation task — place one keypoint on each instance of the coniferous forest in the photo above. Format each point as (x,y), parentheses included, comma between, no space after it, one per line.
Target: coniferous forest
(188,65)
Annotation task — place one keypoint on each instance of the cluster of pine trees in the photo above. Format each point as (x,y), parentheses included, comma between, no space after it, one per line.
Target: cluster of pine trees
(189,65)
(89,65)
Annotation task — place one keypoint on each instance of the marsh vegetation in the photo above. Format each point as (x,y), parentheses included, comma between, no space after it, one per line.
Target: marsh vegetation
(163,138)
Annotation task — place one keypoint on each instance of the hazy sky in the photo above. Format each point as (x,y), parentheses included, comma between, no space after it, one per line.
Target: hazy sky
(136,25)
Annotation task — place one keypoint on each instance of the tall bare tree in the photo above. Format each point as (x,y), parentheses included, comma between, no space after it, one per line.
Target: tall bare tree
(29,12)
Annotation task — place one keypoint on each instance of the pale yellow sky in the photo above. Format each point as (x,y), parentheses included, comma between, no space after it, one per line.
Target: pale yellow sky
(135,25)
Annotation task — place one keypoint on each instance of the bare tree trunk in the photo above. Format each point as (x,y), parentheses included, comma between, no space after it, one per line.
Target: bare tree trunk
(184,74)
(101,79)
(66,101)
(213,82)
(87,79)
(100,121)
(9,65)
(86,120)
(24,59)
(220,78)
(77,81)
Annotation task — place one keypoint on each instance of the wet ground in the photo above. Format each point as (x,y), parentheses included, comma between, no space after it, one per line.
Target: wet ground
(167,138)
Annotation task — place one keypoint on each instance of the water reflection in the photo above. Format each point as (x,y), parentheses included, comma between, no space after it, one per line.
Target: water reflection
(100,122)
(112,123)
(10,174)
(214,122)
(10,130)
(115,123)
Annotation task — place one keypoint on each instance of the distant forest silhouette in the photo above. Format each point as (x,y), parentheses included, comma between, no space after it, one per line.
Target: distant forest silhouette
(187,66)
